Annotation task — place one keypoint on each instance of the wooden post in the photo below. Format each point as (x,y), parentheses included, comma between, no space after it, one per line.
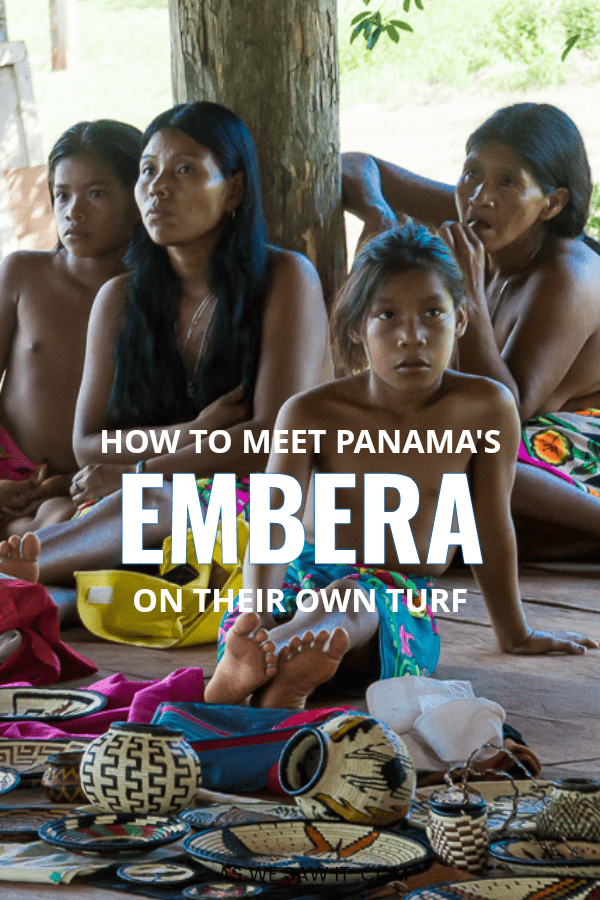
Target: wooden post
(275,63)
(3,23)
(63,34)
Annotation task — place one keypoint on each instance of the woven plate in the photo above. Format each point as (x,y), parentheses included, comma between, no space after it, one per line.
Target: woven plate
(239,814)
(9,779)
(498,796)
(531,857)
(511,889)
(110,834)
(157,872)
(311,850)
(21,823)
(47,704)
(222,891)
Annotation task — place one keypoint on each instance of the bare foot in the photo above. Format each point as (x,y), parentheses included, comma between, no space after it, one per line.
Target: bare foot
(303,665)
(249,662)
(19,557)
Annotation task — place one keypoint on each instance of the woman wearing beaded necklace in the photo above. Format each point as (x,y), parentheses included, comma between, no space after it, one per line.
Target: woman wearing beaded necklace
(211,329)
(515,223)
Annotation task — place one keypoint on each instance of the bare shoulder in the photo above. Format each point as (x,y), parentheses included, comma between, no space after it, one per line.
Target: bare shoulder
(293,271)
(325,400)
(483,396)
(26,266)
(112,296)
(569,274)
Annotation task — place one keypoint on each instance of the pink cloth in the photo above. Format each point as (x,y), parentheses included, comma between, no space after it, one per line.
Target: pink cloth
(524,456)
(14,465)
(43,657)
(128,701)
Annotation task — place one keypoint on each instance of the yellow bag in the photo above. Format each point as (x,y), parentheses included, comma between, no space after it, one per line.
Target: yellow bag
(106,608)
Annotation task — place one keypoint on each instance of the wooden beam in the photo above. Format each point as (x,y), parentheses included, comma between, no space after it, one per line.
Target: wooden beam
(63,34)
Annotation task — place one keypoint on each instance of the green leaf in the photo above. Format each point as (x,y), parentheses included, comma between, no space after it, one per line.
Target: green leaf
(419,4)
(363,25)
(406,5)
(362,15)
(392,33)
(400,24)
(569,46)
(374,37)
(366,2)
(585,469)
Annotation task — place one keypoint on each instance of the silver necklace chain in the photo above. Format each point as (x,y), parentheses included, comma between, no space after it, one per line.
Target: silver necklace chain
(195,319)
(202,306)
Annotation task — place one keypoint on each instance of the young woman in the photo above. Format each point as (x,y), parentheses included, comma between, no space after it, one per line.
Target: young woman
(211,329)
(45,303)
(532,284)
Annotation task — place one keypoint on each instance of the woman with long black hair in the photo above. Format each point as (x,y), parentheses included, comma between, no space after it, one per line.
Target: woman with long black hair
(211,328)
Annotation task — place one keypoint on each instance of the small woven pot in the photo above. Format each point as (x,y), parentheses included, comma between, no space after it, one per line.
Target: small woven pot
(140,769)
(61,780)
(458,831)
(352,767)
(572,811)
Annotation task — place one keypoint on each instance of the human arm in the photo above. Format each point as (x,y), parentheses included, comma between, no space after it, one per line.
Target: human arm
(478,347)
(556,312)
(104,327)
(492,477)
(375,191)
(264,576)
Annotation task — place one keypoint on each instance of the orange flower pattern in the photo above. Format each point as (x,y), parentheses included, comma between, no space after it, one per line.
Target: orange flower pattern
(567,444)
(552,447)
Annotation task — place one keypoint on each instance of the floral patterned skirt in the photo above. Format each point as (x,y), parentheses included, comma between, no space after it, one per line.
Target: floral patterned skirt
(567,444)
(409,641)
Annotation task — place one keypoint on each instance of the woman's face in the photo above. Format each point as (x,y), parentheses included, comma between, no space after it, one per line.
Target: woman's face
(94,211)
(181,192)
(500,198)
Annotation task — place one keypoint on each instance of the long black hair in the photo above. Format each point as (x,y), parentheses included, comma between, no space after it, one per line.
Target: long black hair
(149,386)
(551,146)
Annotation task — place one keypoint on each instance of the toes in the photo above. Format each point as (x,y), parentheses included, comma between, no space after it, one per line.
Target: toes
(339,643)
(307,640)
(30,547)
(321,639)
(4,548)
(260,636)
(15,542)
(270,663)
(268,647)
(245,624)
(294,646)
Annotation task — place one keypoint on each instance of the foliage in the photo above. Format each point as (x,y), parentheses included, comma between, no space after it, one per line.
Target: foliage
(593,222)
(371,25)
(518,22)
(503,44)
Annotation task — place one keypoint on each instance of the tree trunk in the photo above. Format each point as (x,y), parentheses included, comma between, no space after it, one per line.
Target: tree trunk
(275,63)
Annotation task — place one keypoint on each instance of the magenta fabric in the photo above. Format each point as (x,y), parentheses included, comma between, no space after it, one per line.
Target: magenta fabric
(128,701)
(14,465)
(43,657)
(524,457)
